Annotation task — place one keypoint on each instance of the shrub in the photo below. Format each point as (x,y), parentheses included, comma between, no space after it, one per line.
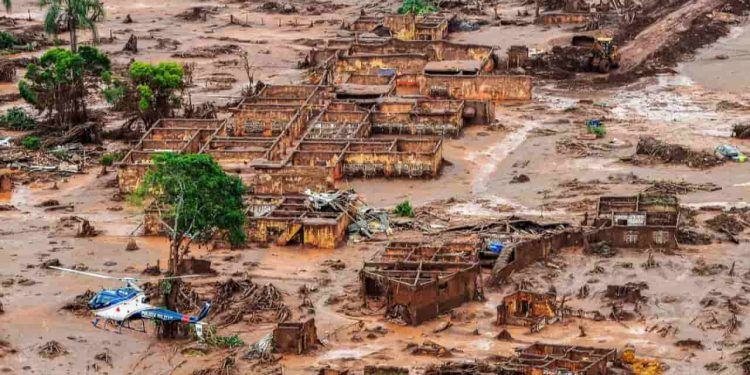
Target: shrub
(31,142)
(417,7)
(110,158)
(16,118)
(404,209)
(7,40)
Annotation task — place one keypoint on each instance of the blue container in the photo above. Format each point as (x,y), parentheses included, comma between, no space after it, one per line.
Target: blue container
(496,247)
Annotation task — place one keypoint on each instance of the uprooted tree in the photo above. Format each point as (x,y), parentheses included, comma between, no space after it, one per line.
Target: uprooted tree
(58,85)
(198,202)
(151,91)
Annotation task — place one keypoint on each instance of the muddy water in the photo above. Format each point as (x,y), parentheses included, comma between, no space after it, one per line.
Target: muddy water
(730,75)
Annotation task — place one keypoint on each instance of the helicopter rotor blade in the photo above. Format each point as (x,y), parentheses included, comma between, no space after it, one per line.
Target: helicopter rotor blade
(172,277)
(91,274)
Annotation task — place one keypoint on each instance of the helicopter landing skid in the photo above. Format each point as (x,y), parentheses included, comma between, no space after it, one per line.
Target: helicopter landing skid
(119,326)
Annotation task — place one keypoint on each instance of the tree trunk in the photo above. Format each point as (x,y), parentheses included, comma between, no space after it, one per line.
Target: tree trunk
(174,256)
(73,35)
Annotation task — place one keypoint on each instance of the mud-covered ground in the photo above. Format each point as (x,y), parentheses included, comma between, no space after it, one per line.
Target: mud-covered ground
(538,139)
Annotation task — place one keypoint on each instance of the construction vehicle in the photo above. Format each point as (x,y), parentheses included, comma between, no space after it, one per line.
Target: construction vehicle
(604,54)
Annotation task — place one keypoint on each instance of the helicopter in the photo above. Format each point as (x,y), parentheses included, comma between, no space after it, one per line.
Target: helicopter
(121,306)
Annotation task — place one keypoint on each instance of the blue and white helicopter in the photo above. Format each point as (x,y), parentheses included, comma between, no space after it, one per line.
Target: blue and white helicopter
(122,305)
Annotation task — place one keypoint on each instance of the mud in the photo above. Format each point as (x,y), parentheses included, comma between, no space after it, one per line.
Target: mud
(533,160)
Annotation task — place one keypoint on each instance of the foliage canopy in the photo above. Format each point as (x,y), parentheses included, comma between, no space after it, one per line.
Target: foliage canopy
(199,198)
(58,85)
(418,7)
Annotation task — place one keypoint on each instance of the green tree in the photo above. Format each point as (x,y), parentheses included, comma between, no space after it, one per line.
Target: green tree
(59,83)
(199,201)
(72,15)
(151,90)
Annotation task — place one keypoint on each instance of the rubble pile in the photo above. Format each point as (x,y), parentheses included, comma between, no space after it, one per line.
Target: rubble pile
(675,154)
(581,149)
(664,187)
(727,223)
(235,299)
(366,220)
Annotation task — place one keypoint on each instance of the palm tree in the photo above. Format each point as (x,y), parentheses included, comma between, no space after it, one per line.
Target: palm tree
(74,14)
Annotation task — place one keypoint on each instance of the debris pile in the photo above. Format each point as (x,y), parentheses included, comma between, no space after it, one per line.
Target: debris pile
(80,304)
(235,299)
(674,154)
(365,220)
(665,187)
(208,52)
(198,13)
(226,366)
(81,226)
(428,347)
(51,349)
(261,350)
(581,149)
(727,223)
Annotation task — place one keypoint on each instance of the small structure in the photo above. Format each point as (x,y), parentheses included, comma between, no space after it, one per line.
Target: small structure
(6,180)
(518,56)
(640,221)
(295,337)
(528,309)
(542,358)
(417,283)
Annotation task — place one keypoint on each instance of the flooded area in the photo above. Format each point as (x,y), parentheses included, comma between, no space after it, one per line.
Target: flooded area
(416,196)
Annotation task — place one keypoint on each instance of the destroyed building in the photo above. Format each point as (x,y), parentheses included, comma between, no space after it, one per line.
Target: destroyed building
(295,337)
(317,219)
(640,221)
(528,309)
(404,26)
(417,282)
(381,109)
(541,358)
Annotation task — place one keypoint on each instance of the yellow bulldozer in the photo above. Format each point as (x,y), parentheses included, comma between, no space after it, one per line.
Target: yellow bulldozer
(603,53)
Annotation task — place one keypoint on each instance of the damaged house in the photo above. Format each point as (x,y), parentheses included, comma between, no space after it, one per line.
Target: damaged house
(528,309)
(417,282)
(541,358)
(639,221)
